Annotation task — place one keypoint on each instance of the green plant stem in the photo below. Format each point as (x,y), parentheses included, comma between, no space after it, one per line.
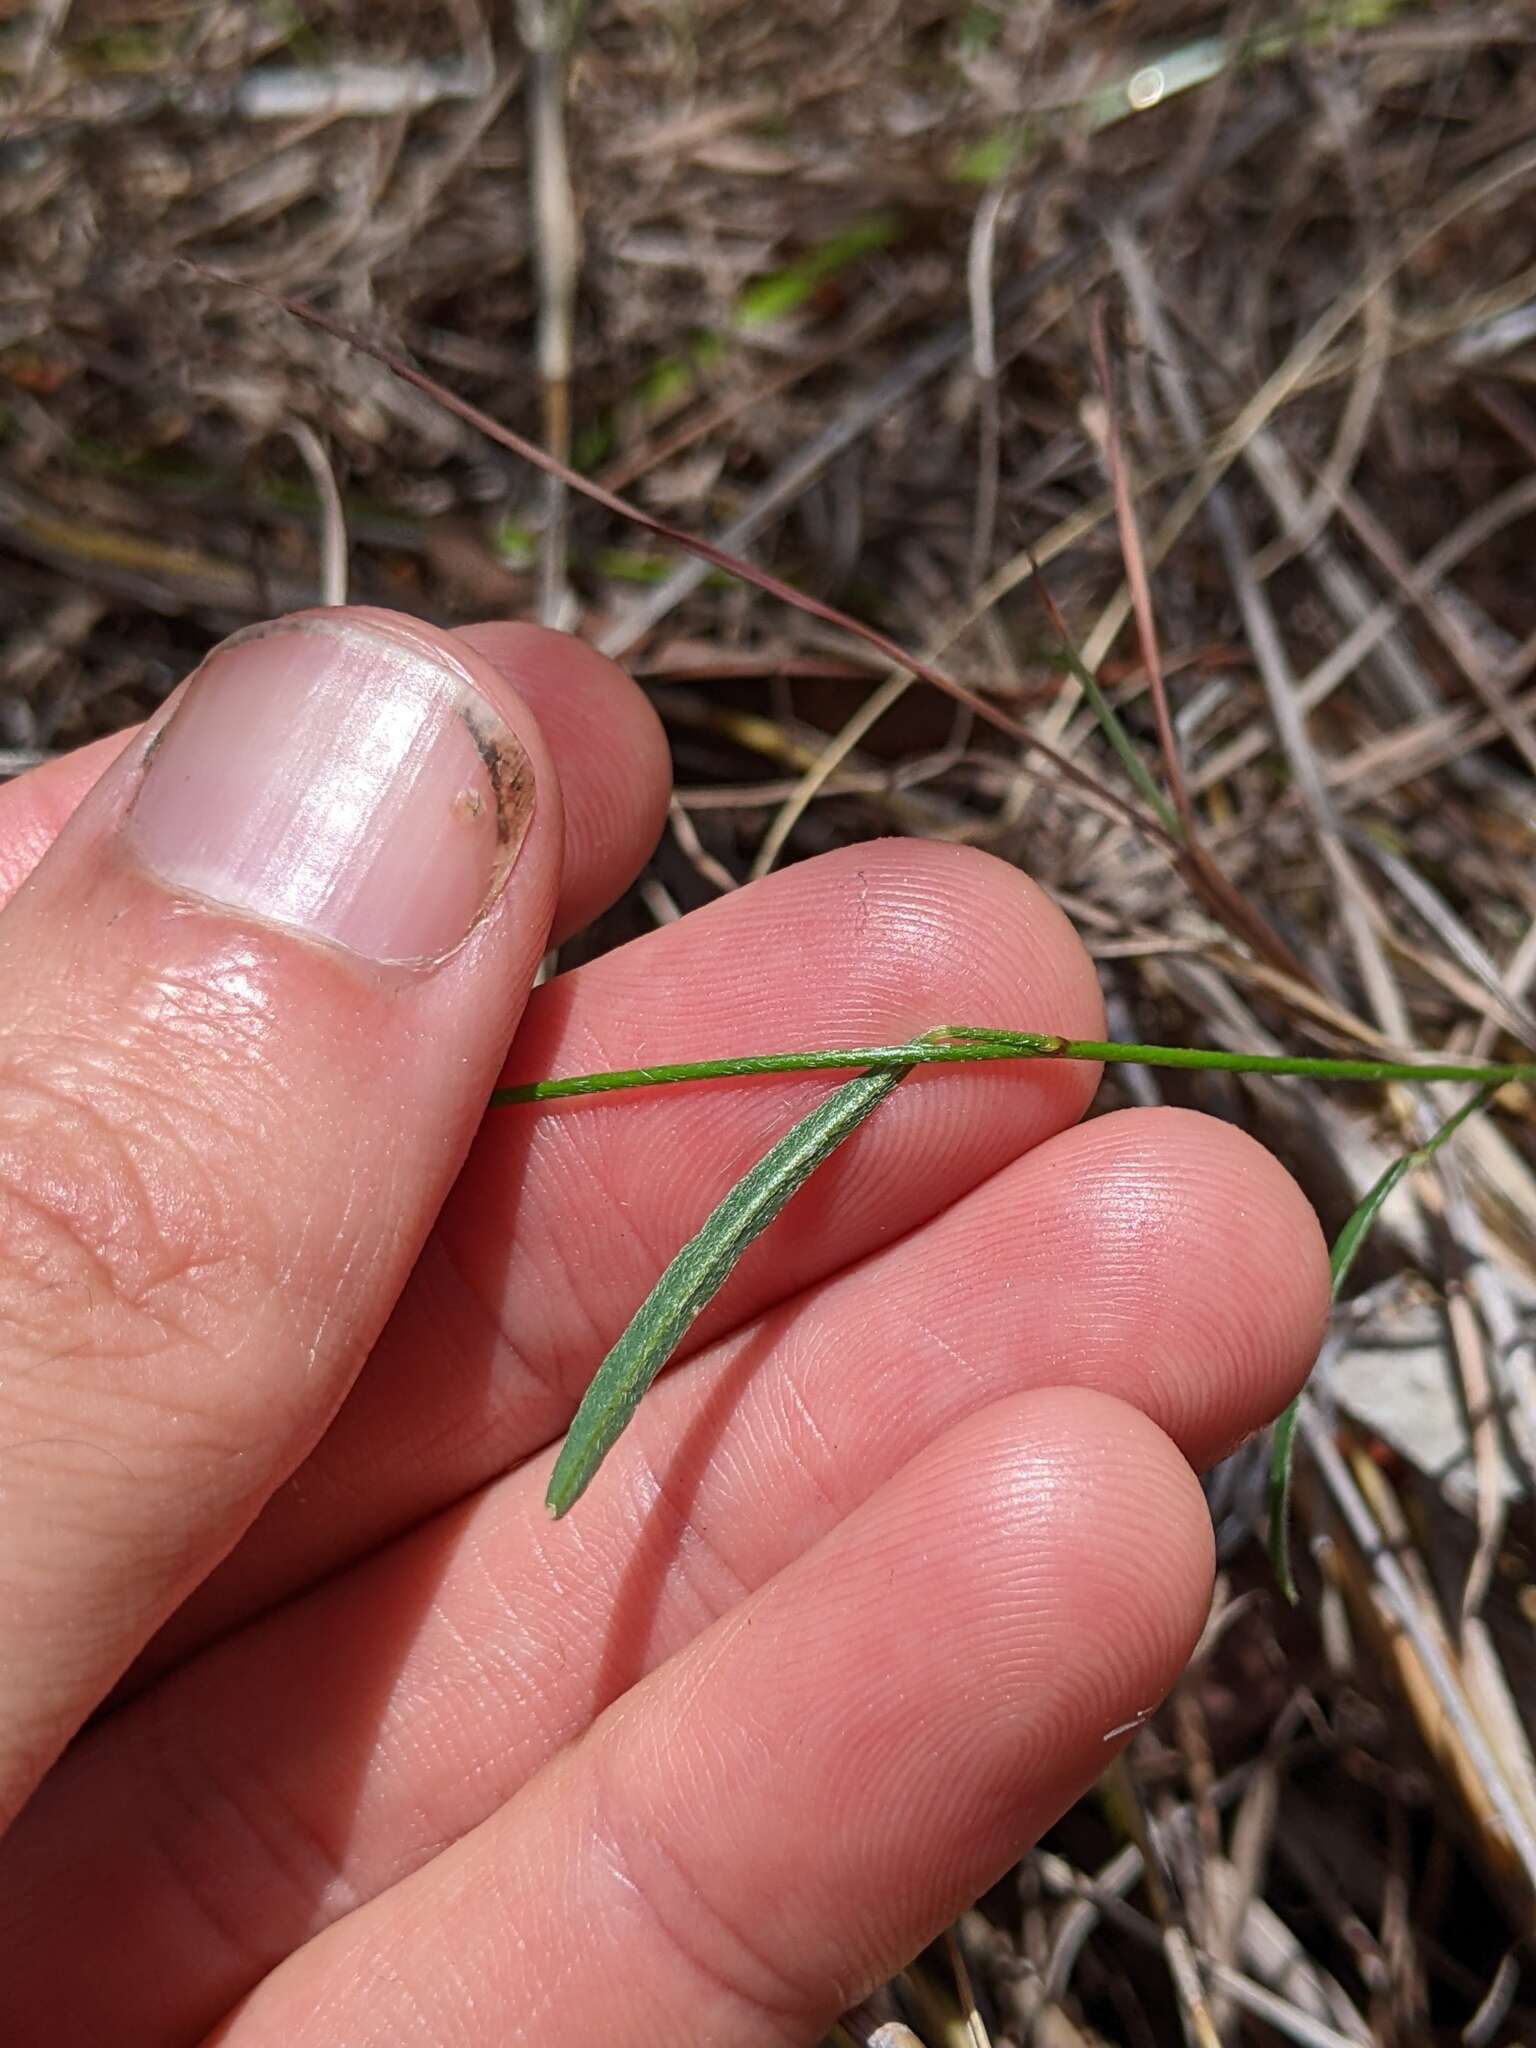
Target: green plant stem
(1341,1257)
(965,1045)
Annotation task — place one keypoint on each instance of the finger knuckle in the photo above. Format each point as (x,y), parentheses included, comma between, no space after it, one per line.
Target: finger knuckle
(120,1233)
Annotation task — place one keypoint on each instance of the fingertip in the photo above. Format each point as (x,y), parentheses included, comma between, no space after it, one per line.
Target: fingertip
(972,925)
(596,716)
(1082,1517)
(1282,1280)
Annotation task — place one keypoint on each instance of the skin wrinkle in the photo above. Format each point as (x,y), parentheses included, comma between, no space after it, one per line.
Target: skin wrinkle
(492,1659)
(782,2002)
(691,1552)
(164,1161)
(174,1836)
(796,1409)
(143,1319)
(104,1273)
(256,1821)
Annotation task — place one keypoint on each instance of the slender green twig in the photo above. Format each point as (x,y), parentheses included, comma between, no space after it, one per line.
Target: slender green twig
(963,1045)
(1341,1257)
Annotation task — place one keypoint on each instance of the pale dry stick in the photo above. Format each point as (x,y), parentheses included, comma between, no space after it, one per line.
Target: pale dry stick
(1516,976)
(333,522)
(1380,766)
(673,136)
(1269,466)
(1437,915)
(686,834)
(1369,377)
(549,29)
(658,900)
(1451,632)
(1262,628)
(354,90)
(1236,1881)
(1514,1352)
(1509,301)
(48,19)
(975,2027)
(1406,686)
(1401,1611)
(40,648)
(1508,1727)
(333,245)
(1511,673)
(1139,587)
(1514,1369)
(1355,423)
(1341,580)
(1470,1352)
(932,2008)
(1484,2025)
(800,469)
(1466,1249)
(1283,383)
(1082,1915)
(1179,1954)
(1192,1852)
(1271,1955)
(1356,908)
(1158,1852)
(1482,1680)
(1287,2019)
(1271,1952)
(831,758)
(978,279)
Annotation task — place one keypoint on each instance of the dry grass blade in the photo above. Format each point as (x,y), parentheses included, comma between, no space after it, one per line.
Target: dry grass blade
(1137,583)
(549,29)
(706,551)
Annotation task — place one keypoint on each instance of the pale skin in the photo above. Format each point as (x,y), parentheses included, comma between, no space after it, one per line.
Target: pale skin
(289,1330)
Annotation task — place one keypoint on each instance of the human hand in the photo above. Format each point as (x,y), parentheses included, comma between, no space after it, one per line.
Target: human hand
(865,1597)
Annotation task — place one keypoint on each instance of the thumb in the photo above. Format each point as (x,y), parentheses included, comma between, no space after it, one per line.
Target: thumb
(251,1006)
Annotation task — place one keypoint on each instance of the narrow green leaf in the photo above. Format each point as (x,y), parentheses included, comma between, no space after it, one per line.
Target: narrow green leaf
(1120,739)
(698,1273)
(962,1045)
(1346,1248)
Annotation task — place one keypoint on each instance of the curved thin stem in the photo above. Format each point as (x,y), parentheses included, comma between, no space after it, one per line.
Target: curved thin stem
(963,1045)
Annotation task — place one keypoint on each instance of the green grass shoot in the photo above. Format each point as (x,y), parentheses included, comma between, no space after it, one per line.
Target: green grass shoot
(1345,1249)
(704,1264)
(697,1274)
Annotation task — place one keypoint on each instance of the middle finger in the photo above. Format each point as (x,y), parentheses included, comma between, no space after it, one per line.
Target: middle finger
(1156,1256)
